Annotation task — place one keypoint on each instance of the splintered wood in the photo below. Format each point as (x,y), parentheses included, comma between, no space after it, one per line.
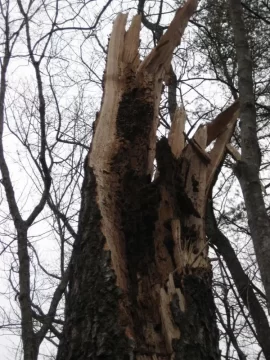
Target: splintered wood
(153,231)
(159,60)
(199,170)
(190,247)
(124,73)
(176,136)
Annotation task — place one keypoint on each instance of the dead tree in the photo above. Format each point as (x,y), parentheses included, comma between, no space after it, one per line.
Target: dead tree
(140,284)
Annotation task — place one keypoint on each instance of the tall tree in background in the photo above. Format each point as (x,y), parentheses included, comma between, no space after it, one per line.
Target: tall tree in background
(247,168)
(216,38)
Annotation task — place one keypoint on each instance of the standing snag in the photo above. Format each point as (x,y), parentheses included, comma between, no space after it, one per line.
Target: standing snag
(140,283)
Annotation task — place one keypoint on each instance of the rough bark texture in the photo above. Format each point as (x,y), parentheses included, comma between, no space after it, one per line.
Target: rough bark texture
(140,280)
(28,336)
(247,169)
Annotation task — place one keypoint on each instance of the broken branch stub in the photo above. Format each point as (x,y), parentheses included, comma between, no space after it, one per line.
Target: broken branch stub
(176,135)
(198,169)
(218,125)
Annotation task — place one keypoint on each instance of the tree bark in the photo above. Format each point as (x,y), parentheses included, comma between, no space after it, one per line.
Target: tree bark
(141,280)
(247,169)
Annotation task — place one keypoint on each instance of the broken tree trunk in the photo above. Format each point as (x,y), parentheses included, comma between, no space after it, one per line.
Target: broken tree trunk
(141,280)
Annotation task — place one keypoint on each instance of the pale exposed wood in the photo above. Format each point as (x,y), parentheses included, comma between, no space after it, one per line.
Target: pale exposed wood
(200,136)
(100,156)
(218,151)
(159,59)
(178,252)
(165,214)
(157,87)
(200,174)
(201,153)
(218,125)
(105,143)
(132,42)
(176,135)
(199,143)
(105,127)
(197,171)
(234,152)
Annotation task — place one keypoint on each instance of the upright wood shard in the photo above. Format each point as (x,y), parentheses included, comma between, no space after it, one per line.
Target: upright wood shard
(198,169)
(196,182)
(156,65)
(176,134)
(177,238)
(106,122)
(234,152)
(101,156)
(132,42)
(159,59)
(162,234)
(194,172)
(219,149)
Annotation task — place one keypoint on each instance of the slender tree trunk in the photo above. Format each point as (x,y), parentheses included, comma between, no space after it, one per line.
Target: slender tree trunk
(247,169)
(141,280)
(241,280)
(28,337)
